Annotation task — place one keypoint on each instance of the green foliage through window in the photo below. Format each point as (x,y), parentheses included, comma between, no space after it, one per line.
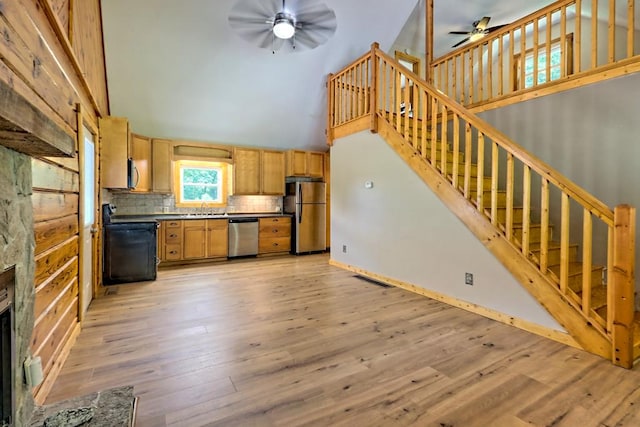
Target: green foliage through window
(200,184)
(555,66)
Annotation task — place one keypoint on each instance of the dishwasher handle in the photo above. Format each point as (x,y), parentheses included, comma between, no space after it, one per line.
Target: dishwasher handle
(235,220)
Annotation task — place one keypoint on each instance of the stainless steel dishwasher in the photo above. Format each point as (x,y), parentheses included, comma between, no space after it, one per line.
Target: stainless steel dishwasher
(243,237)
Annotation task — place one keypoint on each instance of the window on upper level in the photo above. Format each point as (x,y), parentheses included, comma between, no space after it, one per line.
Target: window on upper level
(553,62)
(199,183)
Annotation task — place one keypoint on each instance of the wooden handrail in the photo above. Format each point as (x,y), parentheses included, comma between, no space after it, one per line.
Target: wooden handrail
(595,206)
(467,74)
(505,30)
(435,126)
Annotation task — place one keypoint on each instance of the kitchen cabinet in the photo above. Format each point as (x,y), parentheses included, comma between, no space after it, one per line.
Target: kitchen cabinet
(217,238)
(161,170)
(274,235)
(305,164)
(194,239)
(115,137)
(258,171)
(171,233)
(246,171)
(272,172)
(141,156)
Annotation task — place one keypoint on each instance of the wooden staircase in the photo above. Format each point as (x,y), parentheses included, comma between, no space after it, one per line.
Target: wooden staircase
(472,168)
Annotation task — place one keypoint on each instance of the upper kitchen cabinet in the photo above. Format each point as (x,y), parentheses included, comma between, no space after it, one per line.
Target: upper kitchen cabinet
(305,163)
(272,172)
(258,171)
(115,137)
(246,171)
(161,174)
(141,156)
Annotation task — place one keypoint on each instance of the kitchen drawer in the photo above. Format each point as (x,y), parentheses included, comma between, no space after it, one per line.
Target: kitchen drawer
(172,224)
(172,252)
(276,220)
(275,227)
(279,230)
(172,235)
(274,244)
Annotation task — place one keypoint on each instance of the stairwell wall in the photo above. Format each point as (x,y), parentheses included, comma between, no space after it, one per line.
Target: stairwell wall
(400,229)
(589,134)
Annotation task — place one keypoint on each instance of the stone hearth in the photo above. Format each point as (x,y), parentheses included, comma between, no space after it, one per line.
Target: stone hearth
(16,248)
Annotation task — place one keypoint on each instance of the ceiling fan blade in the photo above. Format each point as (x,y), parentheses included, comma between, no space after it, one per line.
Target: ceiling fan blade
(497,27)
(459,32)
(252,10)
(309,40)
(482,24)
(461,42)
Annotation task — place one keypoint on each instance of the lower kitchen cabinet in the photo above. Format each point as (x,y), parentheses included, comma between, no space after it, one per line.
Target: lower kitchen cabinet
(171,232)
(274,235)
(217,238)
(193,239)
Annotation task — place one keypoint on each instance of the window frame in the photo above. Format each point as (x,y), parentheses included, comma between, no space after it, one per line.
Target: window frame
(542,49)
(222,167)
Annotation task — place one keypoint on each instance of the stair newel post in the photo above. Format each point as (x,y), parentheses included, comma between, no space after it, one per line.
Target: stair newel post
(373,84)
(330,109)
(623,284)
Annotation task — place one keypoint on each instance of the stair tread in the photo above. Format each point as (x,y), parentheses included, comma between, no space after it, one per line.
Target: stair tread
(575,268)
(534,247)
(598,297)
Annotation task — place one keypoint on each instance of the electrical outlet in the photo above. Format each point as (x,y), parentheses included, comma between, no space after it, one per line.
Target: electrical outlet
(468,279)
(344,249)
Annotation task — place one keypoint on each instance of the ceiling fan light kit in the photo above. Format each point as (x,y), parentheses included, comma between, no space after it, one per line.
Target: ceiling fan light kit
(284,26)
(280,26)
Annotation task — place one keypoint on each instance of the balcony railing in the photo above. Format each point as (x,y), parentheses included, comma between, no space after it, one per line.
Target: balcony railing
(562,42)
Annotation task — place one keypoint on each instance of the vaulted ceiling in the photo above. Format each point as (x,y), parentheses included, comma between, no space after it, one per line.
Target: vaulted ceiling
(177,70)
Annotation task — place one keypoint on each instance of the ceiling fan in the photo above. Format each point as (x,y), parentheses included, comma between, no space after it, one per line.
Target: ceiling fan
(480,30)
(274,24)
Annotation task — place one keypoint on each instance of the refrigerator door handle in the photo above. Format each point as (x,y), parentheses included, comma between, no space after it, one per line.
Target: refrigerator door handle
(300,199)
(300,213)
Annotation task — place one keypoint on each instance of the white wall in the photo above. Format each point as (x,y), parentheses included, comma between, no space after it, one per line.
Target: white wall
(400,229)
(590,134)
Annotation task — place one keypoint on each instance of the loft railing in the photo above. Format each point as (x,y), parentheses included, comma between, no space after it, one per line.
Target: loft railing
(519,194)
(565,41)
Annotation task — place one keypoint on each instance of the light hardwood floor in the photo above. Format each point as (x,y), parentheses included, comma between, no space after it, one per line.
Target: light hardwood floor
(292,341)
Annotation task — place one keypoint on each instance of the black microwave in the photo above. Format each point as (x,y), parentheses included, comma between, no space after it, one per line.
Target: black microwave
(132,174)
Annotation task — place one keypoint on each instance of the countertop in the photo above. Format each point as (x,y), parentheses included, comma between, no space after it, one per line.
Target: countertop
(172,216)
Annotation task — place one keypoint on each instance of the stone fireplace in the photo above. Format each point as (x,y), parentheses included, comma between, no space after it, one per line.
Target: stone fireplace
(16,249)
(7,362)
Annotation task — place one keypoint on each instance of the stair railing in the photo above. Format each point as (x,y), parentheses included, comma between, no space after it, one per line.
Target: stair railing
(563,41)
(506,184)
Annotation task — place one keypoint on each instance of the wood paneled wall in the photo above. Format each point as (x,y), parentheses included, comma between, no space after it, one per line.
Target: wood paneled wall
(52,54)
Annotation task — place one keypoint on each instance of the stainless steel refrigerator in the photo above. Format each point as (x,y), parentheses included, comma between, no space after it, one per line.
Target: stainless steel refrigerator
(307,202)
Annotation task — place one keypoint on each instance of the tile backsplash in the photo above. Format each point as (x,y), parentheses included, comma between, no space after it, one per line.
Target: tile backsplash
(147,204)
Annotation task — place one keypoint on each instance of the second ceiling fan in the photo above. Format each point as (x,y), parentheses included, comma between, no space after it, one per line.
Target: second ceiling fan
(480,29)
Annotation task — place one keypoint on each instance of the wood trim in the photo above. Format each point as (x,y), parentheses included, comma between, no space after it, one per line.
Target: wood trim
(58,29)
(26,129)
(45,388)
(536,283)
(543,331)
(606,72)
(354,126)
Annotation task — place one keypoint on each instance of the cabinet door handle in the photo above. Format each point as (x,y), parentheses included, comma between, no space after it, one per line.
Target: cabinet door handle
(173,235)
(173,252)
(275,244)
(275,230)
